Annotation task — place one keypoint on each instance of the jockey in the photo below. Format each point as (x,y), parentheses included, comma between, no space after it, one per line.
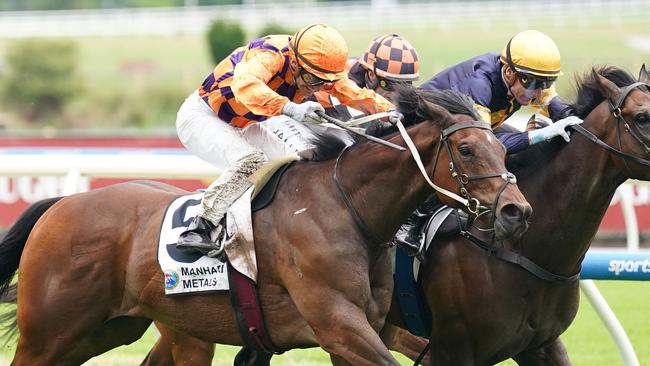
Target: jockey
(269,79)
(389,59)
(523,74)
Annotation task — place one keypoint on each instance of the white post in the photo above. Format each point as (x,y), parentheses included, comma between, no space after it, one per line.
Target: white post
(71,182)
(612,324)
(626,198)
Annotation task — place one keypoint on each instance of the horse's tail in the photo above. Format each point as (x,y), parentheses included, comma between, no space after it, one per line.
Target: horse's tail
(11,248)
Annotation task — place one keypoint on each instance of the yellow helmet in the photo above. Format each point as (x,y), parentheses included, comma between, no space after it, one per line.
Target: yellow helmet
(321,50)
(532,52)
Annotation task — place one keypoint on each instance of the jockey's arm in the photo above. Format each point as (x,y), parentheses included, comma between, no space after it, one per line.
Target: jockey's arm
(364,100)
(250,80)
(513,141)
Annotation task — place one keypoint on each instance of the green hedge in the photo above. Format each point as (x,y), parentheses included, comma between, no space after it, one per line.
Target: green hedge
(41,77)
(223,38)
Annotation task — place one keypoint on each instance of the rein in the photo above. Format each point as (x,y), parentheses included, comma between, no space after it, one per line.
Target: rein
(618,115)
(529,265)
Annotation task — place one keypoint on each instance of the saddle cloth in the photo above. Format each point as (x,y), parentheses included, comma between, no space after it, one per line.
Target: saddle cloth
(191,272)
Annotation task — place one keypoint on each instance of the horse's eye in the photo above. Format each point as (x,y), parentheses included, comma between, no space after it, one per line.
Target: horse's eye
(642,119)
(464,150)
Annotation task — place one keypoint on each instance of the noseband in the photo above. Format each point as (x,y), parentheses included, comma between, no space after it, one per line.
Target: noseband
(473,204)
(616,110)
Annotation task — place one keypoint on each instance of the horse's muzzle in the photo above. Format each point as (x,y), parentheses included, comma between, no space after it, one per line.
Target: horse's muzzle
(512,220)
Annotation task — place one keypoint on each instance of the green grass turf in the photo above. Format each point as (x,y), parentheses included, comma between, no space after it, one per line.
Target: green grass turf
(587,340)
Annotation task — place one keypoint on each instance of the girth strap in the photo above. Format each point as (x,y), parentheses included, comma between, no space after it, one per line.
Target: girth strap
(518,259)
(252,329)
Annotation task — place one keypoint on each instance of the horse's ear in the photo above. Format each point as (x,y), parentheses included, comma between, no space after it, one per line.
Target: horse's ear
(436,112)
(644,76)
(608,88)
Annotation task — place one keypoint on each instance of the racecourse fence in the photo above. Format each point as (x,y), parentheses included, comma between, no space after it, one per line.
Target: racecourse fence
(445,15)
(75,164)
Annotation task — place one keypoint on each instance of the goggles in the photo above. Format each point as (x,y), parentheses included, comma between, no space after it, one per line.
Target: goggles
(533,83)
(390,85)
(311,79)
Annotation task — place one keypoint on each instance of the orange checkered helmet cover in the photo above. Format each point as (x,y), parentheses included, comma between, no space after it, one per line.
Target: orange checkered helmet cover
(392,57)
(321,50)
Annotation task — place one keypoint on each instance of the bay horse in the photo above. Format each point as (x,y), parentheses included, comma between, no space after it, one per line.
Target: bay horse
(89,279)
(485,310)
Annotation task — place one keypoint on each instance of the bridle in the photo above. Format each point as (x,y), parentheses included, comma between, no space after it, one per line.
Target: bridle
(616,110)
(527,264)
(473,205)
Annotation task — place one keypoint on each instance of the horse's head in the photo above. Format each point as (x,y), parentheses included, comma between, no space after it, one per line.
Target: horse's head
(623,119)
(468,159)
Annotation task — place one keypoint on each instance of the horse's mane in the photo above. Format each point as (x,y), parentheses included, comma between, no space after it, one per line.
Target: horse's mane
(588,96)
(412,103)
(588,93)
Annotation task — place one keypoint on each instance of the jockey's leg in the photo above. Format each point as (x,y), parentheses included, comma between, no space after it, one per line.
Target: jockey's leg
(410,235)
(218,197)
(224,146)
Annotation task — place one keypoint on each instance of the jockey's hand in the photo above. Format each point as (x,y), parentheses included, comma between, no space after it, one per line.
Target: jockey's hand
(555,129)
(394,116)
(380,128)
(304,112)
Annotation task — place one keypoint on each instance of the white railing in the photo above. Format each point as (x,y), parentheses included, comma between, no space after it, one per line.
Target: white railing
(375,15)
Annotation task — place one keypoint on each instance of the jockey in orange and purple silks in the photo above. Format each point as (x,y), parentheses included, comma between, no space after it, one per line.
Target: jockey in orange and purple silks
(267,80)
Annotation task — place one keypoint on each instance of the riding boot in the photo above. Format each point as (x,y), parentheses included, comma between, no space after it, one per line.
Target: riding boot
(410,236)
(200,234)
(217,199)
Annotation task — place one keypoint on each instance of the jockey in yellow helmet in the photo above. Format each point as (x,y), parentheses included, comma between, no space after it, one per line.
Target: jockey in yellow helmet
(267,80)
(523,74)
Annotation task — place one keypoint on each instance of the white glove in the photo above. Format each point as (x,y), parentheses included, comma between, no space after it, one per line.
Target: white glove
(555,129)
(304,112)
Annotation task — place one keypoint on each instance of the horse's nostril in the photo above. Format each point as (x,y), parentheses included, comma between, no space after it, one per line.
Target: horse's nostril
(514,212)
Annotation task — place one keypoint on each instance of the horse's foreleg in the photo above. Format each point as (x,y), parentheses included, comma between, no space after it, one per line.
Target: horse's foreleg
(173,348)
(400,340)
(342,329)
(552,354)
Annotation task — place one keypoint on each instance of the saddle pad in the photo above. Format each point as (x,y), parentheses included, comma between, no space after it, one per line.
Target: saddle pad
(187,272)
(430,232)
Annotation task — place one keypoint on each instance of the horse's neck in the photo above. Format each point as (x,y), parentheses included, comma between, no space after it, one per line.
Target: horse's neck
(569,195)
(391,185)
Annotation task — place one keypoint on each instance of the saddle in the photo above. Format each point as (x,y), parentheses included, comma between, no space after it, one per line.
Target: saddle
(443,223)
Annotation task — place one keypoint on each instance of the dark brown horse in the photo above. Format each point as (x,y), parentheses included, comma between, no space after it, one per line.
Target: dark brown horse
(89,278)
(485,310)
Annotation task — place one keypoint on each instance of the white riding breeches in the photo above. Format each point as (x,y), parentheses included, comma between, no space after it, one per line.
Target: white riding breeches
(221,144)
(237,152)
